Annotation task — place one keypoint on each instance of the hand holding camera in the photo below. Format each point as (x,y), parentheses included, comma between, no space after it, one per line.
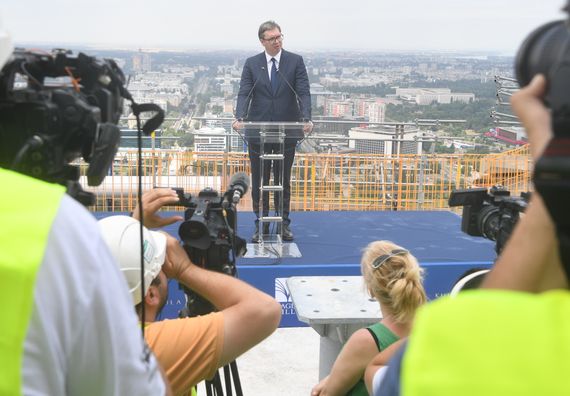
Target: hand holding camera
(154,200)
(528,105)
(537,252)
(547,51)
(177,261)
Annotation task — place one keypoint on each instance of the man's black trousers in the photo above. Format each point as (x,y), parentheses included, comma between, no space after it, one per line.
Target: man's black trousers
(289,157)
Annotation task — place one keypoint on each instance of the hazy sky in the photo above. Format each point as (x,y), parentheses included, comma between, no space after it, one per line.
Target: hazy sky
(495,25)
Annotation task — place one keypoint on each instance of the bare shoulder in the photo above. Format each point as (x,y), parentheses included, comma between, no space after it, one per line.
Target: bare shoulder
(361,341)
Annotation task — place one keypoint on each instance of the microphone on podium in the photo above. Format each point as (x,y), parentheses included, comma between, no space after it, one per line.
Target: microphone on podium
(249,96)
(297,98)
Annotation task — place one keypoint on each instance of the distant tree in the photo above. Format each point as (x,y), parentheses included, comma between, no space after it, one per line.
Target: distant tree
(479,149)
(443,149)
(379,89)
(482,90)
(475,114)
(186,140)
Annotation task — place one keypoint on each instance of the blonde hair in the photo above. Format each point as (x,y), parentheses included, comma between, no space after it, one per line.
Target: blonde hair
(397,282)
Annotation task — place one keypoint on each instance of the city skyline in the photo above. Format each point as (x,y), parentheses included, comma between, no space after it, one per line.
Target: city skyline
(497,26)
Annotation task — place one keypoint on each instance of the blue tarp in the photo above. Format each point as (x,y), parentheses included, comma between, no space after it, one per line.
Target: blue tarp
(331,243)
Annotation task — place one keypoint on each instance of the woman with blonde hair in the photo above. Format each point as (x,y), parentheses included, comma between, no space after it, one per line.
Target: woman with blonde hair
(393,277)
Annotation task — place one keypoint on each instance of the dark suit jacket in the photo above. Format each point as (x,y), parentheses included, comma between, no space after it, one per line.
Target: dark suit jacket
(291,102)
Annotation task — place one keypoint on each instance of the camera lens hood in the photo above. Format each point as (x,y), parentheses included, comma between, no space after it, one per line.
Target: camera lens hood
(541,51)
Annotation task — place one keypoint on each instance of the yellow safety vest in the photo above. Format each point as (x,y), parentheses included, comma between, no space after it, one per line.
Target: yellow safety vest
(490,342)
(27,209)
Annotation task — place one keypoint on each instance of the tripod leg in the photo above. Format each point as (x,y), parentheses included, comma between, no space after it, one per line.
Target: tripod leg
(235,375)
(216,385)
(228,380)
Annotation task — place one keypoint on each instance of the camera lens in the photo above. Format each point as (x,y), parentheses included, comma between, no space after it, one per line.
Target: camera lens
(488,221)
(195,233)
(541,52)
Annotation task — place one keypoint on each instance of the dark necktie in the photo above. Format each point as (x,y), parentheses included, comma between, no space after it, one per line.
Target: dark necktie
(274,76)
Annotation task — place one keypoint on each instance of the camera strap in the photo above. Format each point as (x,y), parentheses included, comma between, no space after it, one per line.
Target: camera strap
(152,123)
(551,179)
(564,249)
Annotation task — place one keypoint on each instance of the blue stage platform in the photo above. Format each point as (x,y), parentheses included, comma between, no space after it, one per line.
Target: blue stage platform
(331,244)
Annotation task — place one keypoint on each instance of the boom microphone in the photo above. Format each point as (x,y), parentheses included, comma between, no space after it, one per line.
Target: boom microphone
(250,93)
(239,184)
(297,98)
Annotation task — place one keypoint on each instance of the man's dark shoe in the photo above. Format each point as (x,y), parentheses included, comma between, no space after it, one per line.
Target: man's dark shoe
(287,233)
(255,237)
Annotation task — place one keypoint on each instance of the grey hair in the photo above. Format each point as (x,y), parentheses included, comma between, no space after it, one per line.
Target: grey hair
(265,26)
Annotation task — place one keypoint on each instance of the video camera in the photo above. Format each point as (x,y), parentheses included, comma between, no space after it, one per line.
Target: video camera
(56,107)
(209,235)
(490,214)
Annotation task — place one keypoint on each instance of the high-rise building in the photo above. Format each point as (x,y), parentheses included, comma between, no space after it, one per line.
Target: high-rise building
(373,109)
(142,62)
(129,139)
(377,112)
(210,139)
(338,108)
(384,140)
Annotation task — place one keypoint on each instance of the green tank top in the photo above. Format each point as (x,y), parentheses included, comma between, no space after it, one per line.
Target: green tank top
(384,338)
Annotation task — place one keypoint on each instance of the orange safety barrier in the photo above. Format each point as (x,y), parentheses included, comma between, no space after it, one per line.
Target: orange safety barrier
(323,182)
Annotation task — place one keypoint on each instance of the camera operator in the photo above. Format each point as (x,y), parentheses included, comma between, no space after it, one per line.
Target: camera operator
(67,322)
(511,338)
(189,349)
(536,261)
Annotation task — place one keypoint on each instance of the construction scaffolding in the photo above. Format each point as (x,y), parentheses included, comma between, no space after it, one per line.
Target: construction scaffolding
(323,182)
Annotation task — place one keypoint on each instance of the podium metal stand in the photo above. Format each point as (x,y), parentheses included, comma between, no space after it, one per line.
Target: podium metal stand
(271,245)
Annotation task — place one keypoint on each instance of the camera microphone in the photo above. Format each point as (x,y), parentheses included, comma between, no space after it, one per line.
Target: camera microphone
(239,184)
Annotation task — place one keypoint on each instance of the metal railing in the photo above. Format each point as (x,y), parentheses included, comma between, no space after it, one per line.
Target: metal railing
(324,182)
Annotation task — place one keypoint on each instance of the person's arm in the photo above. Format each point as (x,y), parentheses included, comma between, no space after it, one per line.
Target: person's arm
(349,366)
(380,360)
(249,314)
(303,89)
(152,201)
(168,390)
(92,313)
(530,260)
(245,93)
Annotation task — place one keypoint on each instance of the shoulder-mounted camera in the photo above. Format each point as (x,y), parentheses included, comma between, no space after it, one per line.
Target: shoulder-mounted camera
(490,214)
(209,234)
(56,107)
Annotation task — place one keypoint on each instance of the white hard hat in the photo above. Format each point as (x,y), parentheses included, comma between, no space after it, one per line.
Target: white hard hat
(6,47)
(460,284)
(122,235)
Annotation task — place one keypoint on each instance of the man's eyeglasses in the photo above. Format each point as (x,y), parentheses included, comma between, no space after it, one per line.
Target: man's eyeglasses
(274,39)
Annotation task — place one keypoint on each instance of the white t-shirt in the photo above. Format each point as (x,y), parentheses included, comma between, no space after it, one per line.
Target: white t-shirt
(83,337)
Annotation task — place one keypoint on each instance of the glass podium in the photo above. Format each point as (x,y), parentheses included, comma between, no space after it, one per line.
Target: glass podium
(270,244)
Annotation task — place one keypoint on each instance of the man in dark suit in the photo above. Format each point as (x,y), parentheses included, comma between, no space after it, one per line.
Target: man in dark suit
(274,86)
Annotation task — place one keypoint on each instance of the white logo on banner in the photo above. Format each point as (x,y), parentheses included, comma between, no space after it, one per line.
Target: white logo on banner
(281,290)
(283,296)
